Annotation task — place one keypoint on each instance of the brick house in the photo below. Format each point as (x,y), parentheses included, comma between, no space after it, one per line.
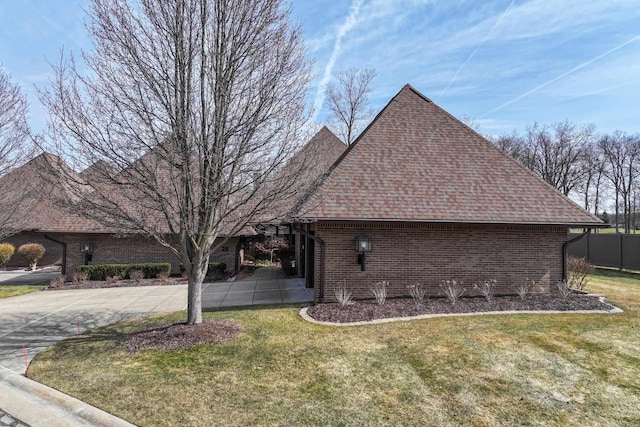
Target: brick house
(64,233)
(435,201)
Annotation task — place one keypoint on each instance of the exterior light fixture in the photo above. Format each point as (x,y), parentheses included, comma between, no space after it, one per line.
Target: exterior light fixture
(87,249)
(363,245)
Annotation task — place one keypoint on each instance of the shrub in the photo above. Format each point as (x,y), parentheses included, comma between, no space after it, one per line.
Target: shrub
(452,290)
(563,289)
(379,290)
(217,267)
(101,271)
(31,252)
(418,293)
(80,277)
(524,288)
(343,296)
(163,276)
(579,269)
(487,289)
(57,282)
(136,276)
(6,252)
(112,280)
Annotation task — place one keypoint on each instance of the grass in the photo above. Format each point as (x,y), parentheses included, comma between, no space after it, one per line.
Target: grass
(573,369)
(7,291)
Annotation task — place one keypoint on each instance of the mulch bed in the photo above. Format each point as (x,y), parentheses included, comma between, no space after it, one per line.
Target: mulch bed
(98,284)
(368,310)
(182,336)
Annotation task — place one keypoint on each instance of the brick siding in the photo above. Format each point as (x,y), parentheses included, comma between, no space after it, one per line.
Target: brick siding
(108,249)
(405,254)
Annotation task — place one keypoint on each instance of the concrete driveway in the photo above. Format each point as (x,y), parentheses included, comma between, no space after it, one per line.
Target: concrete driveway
(38,277)
(40,319)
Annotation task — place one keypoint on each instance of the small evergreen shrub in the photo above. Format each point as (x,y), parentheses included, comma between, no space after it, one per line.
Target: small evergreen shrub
(31,252)
(102,271)
(6,252)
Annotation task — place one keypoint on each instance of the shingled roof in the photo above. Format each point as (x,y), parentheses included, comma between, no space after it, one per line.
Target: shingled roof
(416,162)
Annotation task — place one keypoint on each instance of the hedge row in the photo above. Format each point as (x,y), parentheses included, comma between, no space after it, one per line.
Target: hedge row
(102,271)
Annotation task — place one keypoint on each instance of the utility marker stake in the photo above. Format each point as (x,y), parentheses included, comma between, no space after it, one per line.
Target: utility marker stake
(78,323)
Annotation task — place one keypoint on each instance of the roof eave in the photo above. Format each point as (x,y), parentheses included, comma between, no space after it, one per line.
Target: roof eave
(458,221)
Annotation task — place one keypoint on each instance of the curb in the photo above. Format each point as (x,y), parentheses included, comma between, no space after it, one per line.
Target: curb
(614,310)
(39,405)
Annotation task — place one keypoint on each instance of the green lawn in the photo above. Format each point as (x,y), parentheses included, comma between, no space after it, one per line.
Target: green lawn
(523,369)
(7,291)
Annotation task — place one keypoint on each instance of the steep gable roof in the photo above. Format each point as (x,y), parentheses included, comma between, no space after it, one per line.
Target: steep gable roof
(416,162)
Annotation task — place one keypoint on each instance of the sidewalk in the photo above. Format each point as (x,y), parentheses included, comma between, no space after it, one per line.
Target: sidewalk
(38,405)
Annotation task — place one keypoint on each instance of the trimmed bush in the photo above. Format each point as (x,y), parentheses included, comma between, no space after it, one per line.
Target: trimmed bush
(6,252)
(102,271)
(31,252)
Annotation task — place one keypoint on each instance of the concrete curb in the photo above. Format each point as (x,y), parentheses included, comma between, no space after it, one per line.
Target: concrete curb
(39,405)
(613,310)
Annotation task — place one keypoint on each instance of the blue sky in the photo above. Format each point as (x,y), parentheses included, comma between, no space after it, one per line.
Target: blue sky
(504,63)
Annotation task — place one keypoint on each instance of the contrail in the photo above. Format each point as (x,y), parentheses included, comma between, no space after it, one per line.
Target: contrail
(476,49)
(343,29)
(573,70)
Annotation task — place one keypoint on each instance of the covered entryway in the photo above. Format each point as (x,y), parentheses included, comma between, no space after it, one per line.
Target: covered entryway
(267,286)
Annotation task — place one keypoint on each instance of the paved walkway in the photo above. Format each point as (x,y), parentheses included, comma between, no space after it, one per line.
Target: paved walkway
(38,320)
(266,286)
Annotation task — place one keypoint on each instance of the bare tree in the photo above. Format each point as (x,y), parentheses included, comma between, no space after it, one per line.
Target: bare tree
(197,105)
(15,148)
(348,103)
(555,152)
(592,187)
(622,152)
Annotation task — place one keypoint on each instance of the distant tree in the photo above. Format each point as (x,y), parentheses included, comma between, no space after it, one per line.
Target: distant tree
(557,152)
(196,104)
(15,148)
(592,186)
(554,152)
(622,152)
(348,103)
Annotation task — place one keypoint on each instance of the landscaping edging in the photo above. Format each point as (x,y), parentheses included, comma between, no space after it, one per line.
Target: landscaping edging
(601,298)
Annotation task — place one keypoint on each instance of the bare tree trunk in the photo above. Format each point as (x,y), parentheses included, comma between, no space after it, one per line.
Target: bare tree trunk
(196,105)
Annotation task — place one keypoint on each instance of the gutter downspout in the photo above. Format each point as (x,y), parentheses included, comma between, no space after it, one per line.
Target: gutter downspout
(322,257)
(564,252)
(64,252)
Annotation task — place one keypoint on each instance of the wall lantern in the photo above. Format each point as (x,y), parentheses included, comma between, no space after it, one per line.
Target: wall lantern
(87,249)
(363,245)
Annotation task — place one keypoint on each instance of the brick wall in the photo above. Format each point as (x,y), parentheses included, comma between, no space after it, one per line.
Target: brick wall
(108,249)
(52,255)
(406,254)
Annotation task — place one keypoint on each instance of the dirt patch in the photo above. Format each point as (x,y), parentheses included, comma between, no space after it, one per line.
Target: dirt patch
(182,336)
(368,310)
